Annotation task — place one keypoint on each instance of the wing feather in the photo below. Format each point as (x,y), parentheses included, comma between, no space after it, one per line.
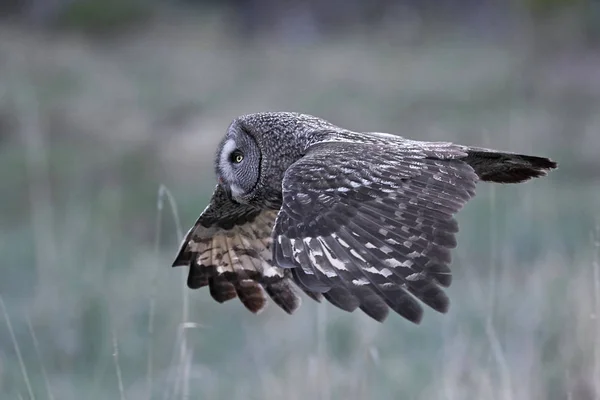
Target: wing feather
(341,297)
(363,297)
(394,296)
(229,250)
(373,226)
(417,281)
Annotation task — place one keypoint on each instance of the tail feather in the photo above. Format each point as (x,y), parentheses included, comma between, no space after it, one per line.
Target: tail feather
(494,166)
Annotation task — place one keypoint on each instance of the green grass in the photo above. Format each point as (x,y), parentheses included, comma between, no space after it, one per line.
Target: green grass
(86,253)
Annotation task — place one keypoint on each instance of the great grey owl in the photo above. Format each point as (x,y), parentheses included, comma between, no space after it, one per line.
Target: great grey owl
(364,220)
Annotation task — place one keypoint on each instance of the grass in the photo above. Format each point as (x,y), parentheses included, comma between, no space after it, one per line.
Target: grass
(92,308)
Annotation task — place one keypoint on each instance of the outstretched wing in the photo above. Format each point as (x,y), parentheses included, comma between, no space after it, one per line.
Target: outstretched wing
(229,249)
(372,226)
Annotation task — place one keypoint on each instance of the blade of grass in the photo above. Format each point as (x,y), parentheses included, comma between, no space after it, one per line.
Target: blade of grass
(596,280)
(164,192)
(36,346)
(171,392)
(117,365)
(152,306)
(322,372)
(500,359)
(15,344)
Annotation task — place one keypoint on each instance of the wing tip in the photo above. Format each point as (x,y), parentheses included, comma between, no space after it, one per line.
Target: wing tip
(251,295)
(379,312)
(179,262)
(430,294)
(221,290)
(316,296)
(501,167)
(408,307)
(198,276)
(183,257)
(342,298)
(282,293)
(417,318)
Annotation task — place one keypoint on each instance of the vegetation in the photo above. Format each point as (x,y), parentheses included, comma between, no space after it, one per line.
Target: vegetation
(91,130)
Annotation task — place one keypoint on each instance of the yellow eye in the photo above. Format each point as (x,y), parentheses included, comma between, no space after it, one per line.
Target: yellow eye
(237,158)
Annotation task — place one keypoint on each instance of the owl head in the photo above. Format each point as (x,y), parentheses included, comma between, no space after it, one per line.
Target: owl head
(256,151)
(237,164)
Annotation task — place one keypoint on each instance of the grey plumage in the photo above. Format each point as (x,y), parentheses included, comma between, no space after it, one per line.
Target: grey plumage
(364,220)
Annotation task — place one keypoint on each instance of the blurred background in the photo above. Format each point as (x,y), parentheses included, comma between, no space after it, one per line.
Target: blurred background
(110,111)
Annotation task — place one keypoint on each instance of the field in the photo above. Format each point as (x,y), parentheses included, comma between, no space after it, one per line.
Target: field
(106,153)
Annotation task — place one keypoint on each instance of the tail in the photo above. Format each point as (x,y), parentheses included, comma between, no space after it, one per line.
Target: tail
(493,166)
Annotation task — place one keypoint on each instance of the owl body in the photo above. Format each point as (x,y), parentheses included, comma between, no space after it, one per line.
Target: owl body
(364,220)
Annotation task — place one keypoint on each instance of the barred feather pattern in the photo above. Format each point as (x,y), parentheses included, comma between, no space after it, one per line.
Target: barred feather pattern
(229,250)
(372,227)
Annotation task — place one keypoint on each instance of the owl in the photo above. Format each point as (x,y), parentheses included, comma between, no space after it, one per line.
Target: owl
(365,220)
